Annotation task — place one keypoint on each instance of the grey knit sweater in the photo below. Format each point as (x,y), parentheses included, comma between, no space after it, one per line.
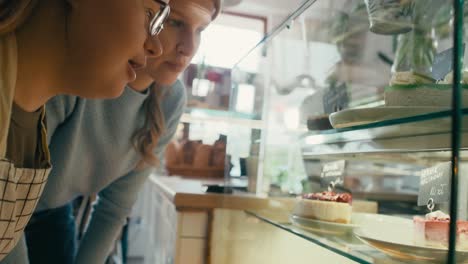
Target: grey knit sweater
(92,152)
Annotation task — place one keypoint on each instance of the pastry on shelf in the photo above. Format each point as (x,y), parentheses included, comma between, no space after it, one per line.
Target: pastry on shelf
(173,153)
(192,158)
(449,78)
(188,150)
(202,156)
(320,122)
(219,152)
(433,231)
(325,206)
(410,89)
(409,77)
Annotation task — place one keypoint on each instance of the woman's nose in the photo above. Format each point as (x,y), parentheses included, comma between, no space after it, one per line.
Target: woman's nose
(188,45)
(153,47)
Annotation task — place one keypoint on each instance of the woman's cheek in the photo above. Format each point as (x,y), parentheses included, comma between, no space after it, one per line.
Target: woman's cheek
(133,29)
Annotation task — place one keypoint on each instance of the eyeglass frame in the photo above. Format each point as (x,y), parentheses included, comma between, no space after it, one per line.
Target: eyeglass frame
(156,24)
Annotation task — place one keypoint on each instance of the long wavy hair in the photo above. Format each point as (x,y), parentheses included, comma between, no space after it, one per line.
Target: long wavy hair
(13,13)
(146,138)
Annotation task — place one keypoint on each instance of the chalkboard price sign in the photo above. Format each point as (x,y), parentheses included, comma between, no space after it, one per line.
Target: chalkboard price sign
(333,173)
(435,184)
(335,99)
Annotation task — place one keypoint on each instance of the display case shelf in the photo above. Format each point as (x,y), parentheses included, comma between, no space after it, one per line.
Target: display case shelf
(420,137)
(345,245)
(205,112)
(209,115)
(427,118)
(353,244)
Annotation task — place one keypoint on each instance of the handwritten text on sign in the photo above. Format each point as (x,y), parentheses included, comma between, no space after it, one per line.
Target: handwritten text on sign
(332,172)
(435,184)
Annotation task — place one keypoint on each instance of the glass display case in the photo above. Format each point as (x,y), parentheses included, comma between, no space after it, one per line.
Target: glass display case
(359,110)
(208,117)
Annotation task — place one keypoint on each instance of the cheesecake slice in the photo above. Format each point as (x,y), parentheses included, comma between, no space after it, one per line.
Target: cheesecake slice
(325,206)
(433,231)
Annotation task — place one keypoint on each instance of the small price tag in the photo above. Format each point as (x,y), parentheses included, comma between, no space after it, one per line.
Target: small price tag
(332,174)
(335,99)
(442,64)
(435,184)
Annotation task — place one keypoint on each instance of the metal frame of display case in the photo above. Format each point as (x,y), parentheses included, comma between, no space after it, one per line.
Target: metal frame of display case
(456,124)
(285,24)
(333,136)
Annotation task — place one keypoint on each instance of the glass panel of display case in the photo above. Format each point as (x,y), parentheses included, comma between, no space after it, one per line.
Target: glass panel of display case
(201,150)
(276,12)
(356,146)
(208,78)
(351,67)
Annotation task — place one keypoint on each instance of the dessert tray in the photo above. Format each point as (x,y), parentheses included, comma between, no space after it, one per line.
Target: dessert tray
(325,227)
(394,237)
(362,116)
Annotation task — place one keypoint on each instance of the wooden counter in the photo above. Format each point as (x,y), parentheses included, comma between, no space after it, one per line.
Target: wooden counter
(185,218)
(191,226)
(190,194)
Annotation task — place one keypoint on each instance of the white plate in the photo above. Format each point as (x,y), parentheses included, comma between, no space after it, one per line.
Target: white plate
(362,116)
(394,237)
(323,227)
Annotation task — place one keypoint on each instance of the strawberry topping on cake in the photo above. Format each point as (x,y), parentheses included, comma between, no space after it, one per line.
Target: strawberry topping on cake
(329,196)
(325,206)
(438,216)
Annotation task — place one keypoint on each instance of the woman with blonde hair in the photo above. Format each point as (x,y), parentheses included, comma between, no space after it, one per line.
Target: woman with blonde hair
(48,47)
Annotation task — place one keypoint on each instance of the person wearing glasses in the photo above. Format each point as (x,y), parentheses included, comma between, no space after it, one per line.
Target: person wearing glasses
(50,47)
(110,147)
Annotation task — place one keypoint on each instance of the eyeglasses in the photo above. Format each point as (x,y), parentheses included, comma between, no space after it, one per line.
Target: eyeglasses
(156,24)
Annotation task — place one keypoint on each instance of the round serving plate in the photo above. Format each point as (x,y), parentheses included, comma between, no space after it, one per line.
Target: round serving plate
(363,116)
(324,227)
(394,236)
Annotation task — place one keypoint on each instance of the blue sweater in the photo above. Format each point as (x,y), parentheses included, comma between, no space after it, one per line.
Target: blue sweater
(92,152)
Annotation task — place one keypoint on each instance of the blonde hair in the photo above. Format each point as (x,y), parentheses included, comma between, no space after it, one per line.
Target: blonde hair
(147,137)
(13,13)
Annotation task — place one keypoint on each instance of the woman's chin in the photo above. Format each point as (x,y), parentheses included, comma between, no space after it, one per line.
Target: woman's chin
(165,80)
